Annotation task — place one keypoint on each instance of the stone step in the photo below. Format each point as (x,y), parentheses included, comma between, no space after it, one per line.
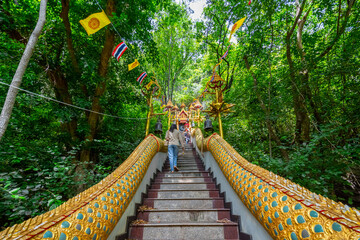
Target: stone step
(182,203)
(191,231)
(185,159)
(168,171)
(189,186)
(181,165)
(179,176)
(187,168)
(183,215)
(183,180)
(185,174)
(182,193)
(187,205)
(182,159)
(185,163)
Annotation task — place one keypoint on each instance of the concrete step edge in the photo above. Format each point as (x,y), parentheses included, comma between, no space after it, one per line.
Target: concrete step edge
(185,190)
(181,177)
(185,164)
(182,199)
(180,224)
(204,179)
(183,172)
(188,210)
(162,183)
(187,168)
(202,171)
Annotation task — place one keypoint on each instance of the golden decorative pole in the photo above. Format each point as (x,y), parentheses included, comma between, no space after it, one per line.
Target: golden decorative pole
(149,90)
(149,115)
(219,114)
(198,117)
(169,118)
(198,106)
(216,86)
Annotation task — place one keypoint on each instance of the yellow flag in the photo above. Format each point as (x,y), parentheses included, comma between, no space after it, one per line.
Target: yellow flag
(95,22)
(236,26)
(133,65)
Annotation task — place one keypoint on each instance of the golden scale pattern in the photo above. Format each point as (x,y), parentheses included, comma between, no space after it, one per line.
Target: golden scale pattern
(198,138)
(286,210)
(93,213)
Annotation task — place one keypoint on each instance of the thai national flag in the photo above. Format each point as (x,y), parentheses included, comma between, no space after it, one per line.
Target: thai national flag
(225,54)
(141,78)
(119,50)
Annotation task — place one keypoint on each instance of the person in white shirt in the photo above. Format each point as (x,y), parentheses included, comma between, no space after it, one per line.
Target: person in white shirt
(175,138)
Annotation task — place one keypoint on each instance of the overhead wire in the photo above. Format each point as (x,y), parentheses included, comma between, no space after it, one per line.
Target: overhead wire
(74,106)
(68,104)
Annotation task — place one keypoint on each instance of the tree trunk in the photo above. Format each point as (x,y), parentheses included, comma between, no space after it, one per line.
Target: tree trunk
(94,118)
(302,125)
(60,84)
(20,71)
(65,17)
(300,78)
(272,132)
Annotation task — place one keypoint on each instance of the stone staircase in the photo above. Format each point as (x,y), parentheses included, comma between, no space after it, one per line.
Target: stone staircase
(185,205)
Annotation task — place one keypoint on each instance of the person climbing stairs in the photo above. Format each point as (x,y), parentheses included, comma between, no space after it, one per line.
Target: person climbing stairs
(184,205)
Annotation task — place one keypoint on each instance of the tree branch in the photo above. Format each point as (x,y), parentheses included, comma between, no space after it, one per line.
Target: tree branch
(338,35)
(20,71)
(263,107)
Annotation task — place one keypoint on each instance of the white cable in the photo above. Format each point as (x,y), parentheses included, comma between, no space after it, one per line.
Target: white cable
(68,104)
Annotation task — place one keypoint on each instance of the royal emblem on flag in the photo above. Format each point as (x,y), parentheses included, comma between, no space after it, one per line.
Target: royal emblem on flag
(119,50)
(141,78)
(95,22)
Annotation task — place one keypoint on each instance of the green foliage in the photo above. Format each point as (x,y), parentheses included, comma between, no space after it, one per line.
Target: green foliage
(174,36)
(328,162)
(40,155)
